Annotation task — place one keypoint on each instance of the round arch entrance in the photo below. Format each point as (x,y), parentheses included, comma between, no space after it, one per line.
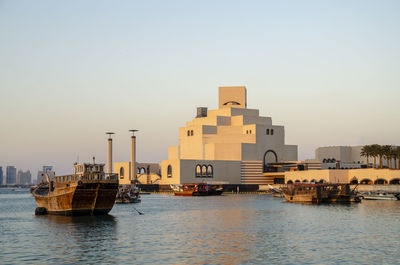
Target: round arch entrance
(270,157)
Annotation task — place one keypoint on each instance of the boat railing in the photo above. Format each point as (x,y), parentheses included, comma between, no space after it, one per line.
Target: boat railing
(111,176)
(97,176)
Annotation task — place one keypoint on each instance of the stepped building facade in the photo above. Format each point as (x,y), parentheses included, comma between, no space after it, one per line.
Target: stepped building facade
(230,145)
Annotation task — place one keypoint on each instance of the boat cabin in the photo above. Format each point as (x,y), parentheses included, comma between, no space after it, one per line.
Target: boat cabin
(87,171)
(86,168)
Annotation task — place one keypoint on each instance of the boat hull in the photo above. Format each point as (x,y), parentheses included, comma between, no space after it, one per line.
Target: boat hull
(78,197)
(320,193)
(196,189)
(195,193)
(383,198)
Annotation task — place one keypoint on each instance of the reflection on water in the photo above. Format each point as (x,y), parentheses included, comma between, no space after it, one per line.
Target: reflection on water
(231,229)
(79,236)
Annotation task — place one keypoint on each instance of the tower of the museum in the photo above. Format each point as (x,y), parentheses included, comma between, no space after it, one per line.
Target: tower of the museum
(228,145)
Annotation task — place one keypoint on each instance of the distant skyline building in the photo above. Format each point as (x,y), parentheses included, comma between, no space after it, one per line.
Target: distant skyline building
(11,175)
(1,175)
(24,178)
(41,173)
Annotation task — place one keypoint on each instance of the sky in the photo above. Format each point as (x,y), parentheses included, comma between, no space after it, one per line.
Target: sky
(329,71)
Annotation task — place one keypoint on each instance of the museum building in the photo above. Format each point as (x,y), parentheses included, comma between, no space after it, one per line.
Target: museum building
(230,145)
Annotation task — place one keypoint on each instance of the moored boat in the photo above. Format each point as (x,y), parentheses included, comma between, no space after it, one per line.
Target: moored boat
(320,193)
(196,189)
(276,192)
(380,195)
(128,194)
(89,191)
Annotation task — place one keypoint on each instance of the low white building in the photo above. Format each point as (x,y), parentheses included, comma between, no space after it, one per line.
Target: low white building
(345,154)
(232,144)
(348,156)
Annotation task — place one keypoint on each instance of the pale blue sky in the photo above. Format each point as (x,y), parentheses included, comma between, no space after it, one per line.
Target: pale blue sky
(71,70)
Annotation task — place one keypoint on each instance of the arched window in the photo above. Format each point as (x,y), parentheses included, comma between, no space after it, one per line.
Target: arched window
(381,181)
(121,172)
(272,131)
(188,133)
(267,132)
(191,132)
(247,131)
(354,181)
(204,171)
(231,103)
(210,171)
(142,170)
(250,131)
(395,181)
(169,171)
(366,182)
(198,171)
(290,182)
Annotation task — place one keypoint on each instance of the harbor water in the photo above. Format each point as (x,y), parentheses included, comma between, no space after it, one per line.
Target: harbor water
(228,229)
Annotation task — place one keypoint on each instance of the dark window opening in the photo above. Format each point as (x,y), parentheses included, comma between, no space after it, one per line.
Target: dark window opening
(169,171)
(121,172)
(279,181)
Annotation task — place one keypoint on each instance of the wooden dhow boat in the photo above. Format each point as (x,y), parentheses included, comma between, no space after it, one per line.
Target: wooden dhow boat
(196,189)
(89,191)
(320,193)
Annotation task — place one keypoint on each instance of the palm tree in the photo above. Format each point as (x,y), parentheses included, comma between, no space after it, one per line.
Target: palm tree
(366,151)
(375,152)
(397,153)
(393,157)
(379,153)
(386,152)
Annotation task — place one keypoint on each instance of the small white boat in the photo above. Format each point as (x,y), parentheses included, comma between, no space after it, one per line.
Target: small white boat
(276,192)
(128,194)
(380,195)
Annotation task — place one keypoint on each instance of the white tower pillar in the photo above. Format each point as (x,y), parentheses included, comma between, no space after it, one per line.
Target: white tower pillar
(133,156)
(109,153)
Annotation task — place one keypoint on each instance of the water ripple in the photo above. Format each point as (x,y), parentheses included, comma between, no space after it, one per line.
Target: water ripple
(231,229)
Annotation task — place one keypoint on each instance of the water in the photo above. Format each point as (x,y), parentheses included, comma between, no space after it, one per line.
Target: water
(230,229)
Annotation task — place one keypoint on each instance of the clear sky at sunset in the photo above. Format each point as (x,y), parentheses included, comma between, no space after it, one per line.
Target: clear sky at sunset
(329,71)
